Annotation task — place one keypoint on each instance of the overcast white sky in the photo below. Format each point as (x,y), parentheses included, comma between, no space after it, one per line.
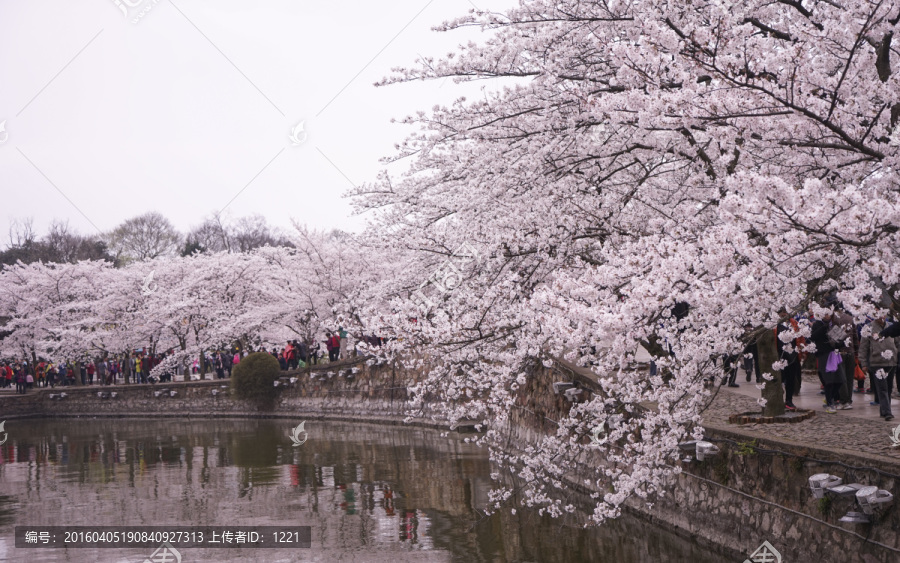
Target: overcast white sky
(194,104)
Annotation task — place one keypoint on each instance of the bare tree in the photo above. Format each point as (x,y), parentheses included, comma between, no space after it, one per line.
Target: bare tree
(144,237)
(253,232)
(21,233)
(61,244)
(211,235)
(219,234)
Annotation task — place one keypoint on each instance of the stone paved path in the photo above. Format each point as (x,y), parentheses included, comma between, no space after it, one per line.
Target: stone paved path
(859,431)
(810,398)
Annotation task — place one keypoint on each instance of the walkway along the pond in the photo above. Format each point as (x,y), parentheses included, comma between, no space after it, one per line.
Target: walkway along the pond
(755,490)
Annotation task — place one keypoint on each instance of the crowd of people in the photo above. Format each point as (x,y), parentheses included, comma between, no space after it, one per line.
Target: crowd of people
(137,367)
(846,356)
(849,359)
(106,370)
(300,354)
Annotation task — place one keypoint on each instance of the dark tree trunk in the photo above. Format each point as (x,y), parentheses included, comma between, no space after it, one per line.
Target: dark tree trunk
(773,392)
(202,364)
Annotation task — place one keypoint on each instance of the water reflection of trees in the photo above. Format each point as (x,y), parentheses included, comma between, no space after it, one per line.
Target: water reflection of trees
(7,509)
(360,487)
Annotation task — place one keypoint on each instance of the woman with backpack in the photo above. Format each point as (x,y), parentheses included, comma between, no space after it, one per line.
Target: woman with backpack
(828,361)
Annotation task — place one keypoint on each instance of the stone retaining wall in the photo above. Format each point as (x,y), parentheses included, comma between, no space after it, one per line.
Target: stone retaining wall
(346,390)
(749,493)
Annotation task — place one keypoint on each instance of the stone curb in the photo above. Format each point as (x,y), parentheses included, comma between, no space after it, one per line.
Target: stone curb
(749,418)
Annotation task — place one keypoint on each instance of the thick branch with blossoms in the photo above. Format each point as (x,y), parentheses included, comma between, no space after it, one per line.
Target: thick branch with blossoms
(737,157)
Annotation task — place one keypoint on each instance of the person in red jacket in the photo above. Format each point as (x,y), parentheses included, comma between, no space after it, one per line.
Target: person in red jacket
(336,343)
(333,343)
(290,355)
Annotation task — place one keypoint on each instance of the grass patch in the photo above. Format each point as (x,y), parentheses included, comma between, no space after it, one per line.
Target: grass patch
(746,448)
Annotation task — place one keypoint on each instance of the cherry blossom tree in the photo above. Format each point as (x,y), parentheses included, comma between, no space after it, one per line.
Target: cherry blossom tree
(206,301)
(296,308)
(48,308)
(192,304)
(670,174)
(324,281)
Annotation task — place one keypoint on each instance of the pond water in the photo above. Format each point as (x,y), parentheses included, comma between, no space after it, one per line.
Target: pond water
(367,492)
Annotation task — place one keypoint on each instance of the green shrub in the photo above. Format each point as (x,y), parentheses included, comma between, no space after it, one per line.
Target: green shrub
(253,379)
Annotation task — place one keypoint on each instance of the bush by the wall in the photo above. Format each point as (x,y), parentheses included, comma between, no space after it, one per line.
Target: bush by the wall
(253,379)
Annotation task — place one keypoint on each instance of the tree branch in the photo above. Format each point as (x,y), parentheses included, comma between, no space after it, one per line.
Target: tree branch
(770,30)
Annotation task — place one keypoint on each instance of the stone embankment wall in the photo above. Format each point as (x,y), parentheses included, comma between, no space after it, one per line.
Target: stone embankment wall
(347,390)
(747,494)
(752,491)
